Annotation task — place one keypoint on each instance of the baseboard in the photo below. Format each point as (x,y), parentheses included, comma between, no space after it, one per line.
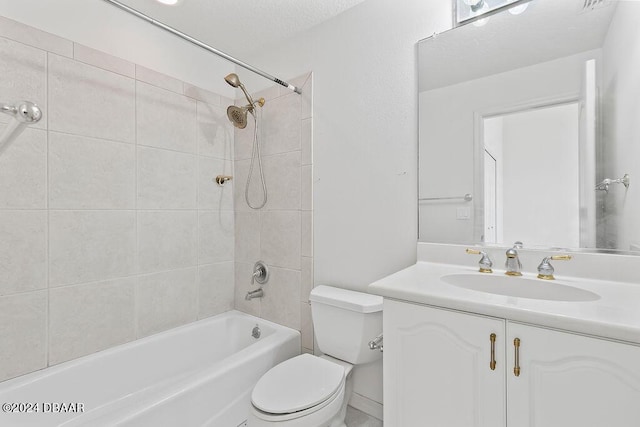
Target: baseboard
(366,405)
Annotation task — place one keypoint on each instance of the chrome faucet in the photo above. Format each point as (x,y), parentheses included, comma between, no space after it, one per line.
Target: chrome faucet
(485,263)
(513,264)
(258,293)
(545,269)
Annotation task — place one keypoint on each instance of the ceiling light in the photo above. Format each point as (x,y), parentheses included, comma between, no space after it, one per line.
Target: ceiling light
(169,2)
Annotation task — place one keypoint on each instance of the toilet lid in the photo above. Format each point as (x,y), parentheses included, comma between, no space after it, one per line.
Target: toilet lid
(297,384)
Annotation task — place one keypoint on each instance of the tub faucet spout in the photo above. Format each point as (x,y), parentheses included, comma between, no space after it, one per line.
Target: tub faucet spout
(258,293)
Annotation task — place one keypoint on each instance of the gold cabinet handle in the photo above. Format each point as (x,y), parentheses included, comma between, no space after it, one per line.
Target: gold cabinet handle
(492,363)
(516,368)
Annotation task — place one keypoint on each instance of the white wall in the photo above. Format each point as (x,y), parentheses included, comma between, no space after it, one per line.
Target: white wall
(102,26)
(621,55)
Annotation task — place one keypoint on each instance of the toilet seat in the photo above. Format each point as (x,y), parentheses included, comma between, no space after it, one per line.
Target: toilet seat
(297,385)
(324,410)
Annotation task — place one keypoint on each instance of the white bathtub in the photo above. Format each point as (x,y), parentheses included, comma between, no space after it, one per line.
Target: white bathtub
(199,374)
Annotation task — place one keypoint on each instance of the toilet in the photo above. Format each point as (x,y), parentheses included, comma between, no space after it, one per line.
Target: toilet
(313,391)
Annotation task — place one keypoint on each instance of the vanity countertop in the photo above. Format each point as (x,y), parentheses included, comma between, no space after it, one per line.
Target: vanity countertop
(616,314)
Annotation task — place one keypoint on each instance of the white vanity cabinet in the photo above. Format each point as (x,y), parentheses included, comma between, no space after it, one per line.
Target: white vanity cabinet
(437,373)
(571,380)
(437,368)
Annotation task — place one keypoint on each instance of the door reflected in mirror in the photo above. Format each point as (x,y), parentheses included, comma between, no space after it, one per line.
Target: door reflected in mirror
(528,114)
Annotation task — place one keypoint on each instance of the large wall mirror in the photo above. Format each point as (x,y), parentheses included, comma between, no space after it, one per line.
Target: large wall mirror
(530,128)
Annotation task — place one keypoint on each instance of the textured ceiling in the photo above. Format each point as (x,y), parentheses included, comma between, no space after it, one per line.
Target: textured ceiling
(547,30)
(239,27)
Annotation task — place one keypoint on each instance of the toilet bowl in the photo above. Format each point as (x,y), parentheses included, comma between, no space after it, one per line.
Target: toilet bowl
(305,391)
(313,391)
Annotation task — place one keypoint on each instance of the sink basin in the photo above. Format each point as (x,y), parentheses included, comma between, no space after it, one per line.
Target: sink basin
(520,287)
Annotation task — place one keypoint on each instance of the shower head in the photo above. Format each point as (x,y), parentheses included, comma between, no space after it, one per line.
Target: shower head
(24,111)
(233,80)
(238,115)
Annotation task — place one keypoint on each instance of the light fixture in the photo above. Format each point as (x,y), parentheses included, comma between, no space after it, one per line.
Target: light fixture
(467,10)
(474,5)
(169,2)
(484,8)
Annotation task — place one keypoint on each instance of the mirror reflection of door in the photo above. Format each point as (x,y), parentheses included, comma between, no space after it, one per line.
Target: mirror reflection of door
(490,190)
(520,202)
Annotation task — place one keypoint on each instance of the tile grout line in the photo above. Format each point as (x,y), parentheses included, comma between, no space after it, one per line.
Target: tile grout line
(197,185)
(48,228)
(136,290)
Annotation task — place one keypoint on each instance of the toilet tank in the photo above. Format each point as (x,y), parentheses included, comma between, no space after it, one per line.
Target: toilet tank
(344,322)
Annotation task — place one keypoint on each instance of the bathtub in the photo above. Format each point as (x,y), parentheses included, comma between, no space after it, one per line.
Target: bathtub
(199,374)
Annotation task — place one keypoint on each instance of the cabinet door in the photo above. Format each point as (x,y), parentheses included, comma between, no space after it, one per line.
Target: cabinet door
(437,368)
(571,380)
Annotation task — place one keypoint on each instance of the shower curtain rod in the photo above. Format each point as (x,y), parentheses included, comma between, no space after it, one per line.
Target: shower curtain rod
(202,45)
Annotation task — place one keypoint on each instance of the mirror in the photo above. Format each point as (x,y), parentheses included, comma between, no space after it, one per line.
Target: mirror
(529,127)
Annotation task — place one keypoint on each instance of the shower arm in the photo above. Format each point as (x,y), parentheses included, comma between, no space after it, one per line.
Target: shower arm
(202,45)
(9,109)
(249,98)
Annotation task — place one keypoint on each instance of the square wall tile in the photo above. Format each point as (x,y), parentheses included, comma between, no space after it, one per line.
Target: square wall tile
(282,173)
(215,289)
(23,251)
(165,119)
(307,98)
(211,195)
(23,171)
(307,233)
(33,37)
(88,173)
(202,94)
(242,281)
(306,177)
(281,302)
(24,76)
(89,101)
(166,300)
(216,237)
(158,79)
(306,139)
(256,193)
(166,179)
(280,239)
(84,319)
(23,333)
(306,326)
(86,246)
(247,236)
(281,126)
(167,240)
(306,283)
(102,60)
(215,131)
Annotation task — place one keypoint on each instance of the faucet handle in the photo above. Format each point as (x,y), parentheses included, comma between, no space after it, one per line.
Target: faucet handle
(545,269)
(485,263)
(260,273)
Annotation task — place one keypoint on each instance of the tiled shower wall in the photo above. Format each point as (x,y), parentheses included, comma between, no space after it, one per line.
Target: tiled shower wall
(111,227)
(280,234)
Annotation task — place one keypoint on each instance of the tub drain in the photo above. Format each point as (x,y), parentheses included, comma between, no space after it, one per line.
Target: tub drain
(256,332)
